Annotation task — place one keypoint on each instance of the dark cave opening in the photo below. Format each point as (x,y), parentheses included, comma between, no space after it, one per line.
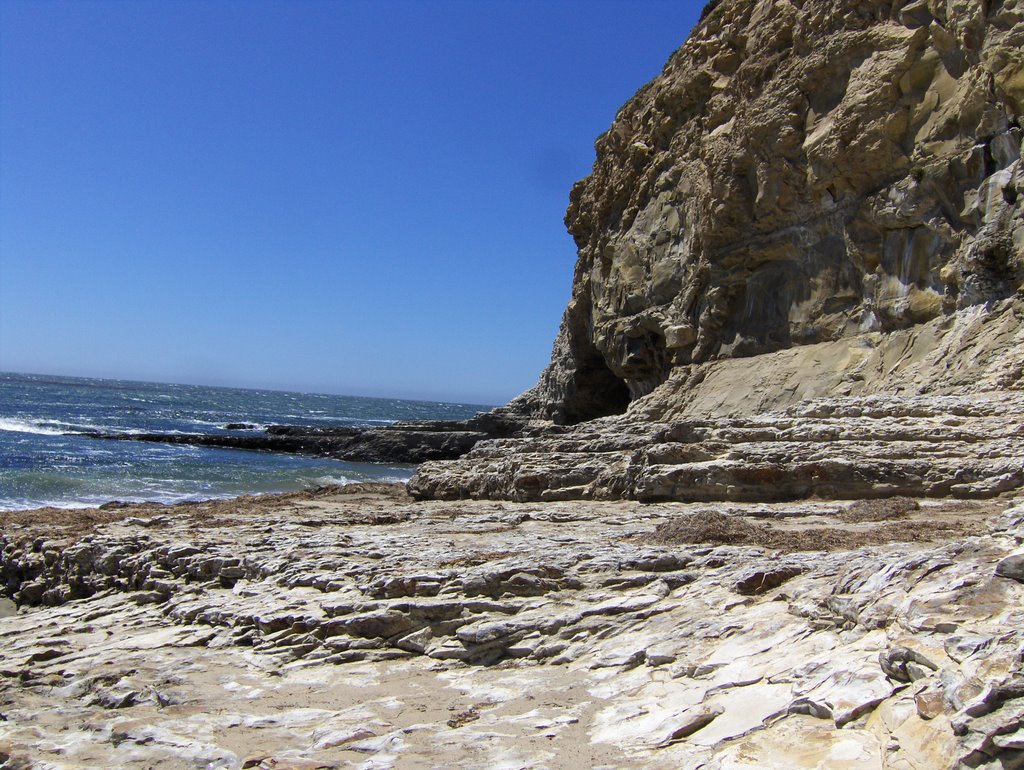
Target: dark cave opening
(596,392)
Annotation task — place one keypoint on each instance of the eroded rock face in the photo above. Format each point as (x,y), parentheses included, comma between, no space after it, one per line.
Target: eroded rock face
(934,410)
(800,273)
(799,173)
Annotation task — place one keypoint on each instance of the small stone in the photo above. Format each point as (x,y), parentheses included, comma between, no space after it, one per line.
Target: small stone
(930,703)
(1012,567)
(759,581)
(330,739)
(692,722)
(118,700)
(232,573)
(811,707)
(417,641)
(895,662)
(30,593)
(147,597)
(658,658)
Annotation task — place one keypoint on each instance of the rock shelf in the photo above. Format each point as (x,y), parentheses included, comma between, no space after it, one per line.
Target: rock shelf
(968,446)
(406,441)
(356,625)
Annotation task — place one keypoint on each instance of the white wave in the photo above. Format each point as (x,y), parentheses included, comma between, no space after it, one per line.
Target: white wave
(27,504)
(345,480)
(39,427)
(328,480)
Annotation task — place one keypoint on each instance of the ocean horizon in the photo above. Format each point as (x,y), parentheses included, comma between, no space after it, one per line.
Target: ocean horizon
(46,460)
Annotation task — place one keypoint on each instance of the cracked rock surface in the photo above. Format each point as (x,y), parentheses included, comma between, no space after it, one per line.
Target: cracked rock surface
(356,627)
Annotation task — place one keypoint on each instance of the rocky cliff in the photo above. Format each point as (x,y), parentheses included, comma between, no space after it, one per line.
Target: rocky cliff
(814,200)
(800,172)
(796,337)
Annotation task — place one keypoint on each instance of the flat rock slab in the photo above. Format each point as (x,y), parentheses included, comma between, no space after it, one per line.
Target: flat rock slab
(344,627)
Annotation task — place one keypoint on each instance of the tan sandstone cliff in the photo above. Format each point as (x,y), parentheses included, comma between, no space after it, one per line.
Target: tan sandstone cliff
(815,199)
(800,172)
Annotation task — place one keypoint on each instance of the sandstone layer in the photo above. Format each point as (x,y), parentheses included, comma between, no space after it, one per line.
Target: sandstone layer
(935,410)
(358,628)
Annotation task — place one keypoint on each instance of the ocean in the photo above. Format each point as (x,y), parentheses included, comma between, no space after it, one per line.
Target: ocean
(44,459)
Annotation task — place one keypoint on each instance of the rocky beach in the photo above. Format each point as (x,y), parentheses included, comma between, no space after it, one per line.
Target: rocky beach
(764,508)
(354,627)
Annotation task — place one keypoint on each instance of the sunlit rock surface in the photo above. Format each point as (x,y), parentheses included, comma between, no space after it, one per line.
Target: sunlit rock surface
(935,410)
(363,629)
(810,224)
(800,172)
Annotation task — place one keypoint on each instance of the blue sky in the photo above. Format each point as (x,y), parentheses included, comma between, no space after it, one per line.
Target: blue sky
(346,197)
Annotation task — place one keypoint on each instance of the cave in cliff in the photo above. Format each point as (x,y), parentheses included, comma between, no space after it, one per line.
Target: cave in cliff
(598,392)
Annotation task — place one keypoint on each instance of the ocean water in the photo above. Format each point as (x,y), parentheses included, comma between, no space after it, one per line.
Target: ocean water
(44,459)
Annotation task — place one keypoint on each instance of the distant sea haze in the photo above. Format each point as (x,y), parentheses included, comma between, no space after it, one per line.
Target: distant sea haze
(44,459)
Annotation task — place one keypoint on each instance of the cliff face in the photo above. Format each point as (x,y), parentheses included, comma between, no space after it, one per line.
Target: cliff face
(801,270)
(800,172)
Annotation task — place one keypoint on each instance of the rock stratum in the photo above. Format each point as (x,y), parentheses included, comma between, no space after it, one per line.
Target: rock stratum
(763,509)
(812,214)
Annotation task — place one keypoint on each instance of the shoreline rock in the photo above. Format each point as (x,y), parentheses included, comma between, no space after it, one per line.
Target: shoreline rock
(346,625)
(403,442)
(800,276)
(799,173)
(936,410)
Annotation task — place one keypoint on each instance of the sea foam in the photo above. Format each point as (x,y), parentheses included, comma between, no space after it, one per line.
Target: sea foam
(39,427)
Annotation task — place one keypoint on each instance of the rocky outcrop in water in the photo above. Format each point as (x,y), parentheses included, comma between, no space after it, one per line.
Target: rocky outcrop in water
(406,441)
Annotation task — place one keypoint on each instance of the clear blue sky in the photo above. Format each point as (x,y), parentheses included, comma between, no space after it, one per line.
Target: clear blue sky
(346,197)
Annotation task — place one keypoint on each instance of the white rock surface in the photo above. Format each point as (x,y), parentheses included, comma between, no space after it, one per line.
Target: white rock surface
(307,632)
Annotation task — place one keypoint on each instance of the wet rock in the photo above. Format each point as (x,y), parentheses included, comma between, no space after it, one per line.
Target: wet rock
(408,441)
